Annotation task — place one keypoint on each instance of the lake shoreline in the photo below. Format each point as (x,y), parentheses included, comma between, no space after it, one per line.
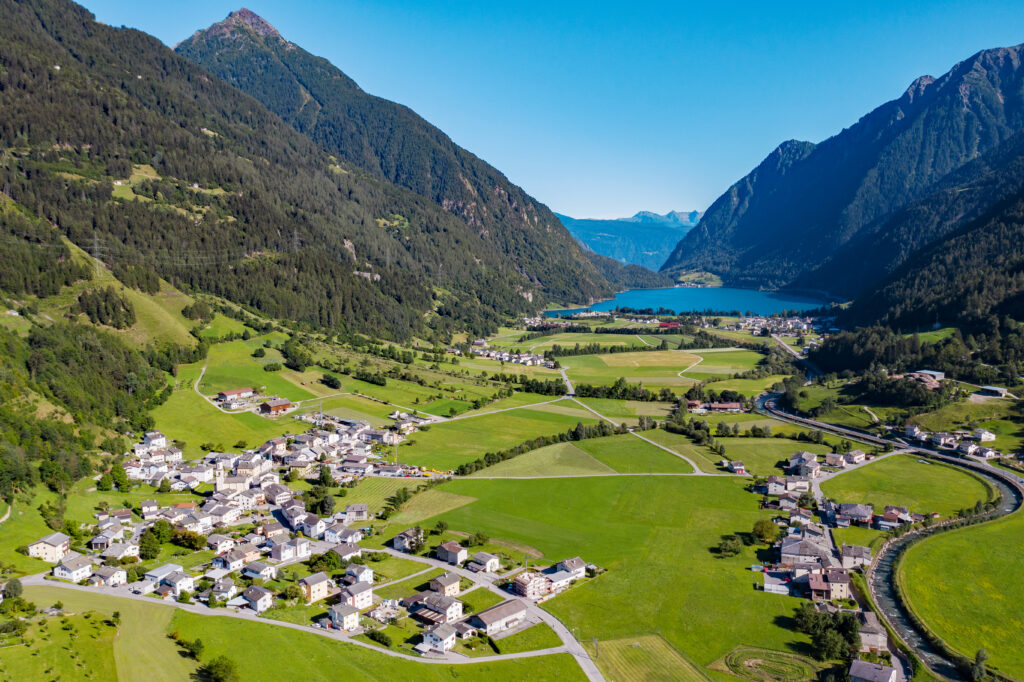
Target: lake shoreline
(693,299)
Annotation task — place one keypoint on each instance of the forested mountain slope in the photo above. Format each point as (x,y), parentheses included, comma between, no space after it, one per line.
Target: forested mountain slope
(806,201)
(644,239)
(392,142)
(140,155)
(969,193)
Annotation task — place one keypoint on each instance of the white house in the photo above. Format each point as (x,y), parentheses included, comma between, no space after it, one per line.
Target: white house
(575,567)
(358,596)
(219,543)
(362,574)
(984,436)
(258,598)
(505,615)
(74,568)
(344,617)
(111,576)
(485,562)
(157,575)
(179,582)
(408,539)
(440,639)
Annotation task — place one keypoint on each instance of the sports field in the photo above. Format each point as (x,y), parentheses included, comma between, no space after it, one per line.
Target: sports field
(654,536)
(906,481)
(653,369)
(977,602)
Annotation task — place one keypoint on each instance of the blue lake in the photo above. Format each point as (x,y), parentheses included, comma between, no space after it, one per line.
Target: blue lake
(696,300)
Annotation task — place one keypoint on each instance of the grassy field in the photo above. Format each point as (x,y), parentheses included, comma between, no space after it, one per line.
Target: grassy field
(231,365)
(141,650)
(856,535)
(653,369)
(404,588)
(373,491)
(629,454)
(977,603)
(534,638)
(905,481)
(1001,416)
(648,658)
(74,647)
(656,547)
(188,416)
(449,444)
(748,387)
(719,363)
(539,345)
(561,459)
(221,326)
(762,455)
(627,411)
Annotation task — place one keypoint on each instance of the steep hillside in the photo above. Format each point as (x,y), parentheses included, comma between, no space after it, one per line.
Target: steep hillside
(973,191)
(392,142)
(805,201)
(628,276)
(138,154)
(645,239)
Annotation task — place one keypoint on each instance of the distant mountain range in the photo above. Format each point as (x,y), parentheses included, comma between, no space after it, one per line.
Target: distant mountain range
(876,208)
(645,239)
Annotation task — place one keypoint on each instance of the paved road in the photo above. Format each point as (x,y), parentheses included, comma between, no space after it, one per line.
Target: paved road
(700,359)
(881,577)
(812,369)
(569,643)
(696,469)
(568,384)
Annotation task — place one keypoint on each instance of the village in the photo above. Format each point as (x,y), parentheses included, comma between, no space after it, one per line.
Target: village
(241,545)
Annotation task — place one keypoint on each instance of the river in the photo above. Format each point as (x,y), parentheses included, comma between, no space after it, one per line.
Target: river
(701,299)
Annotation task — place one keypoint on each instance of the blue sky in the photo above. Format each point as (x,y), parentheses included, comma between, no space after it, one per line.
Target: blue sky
(601,109)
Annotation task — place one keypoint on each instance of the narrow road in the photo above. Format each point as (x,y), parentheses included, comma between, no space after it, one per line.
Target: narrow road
(195,387)
(882,574)
(7,513)
(505,409)
(812,369)
(568,384)
(696,469)
(700,359)
(588,408)
(644,341)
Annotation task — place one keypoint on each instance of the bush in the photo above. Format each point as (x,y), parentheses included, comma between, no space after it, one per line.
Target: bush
(272,367)
(380,637)
(222,669)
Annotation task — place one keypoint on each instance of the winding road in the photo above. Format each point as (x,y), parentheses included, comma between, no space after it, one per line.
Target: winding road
(882,575)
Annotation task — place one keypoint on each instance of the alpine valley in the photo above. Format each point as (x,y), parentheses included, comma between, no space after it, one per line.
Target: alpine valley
(294,387)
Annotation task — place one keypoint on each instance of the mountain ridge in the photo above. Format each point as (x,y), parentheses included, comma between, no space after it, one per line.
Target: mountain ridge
(645,239)
(793,211)
(392,142)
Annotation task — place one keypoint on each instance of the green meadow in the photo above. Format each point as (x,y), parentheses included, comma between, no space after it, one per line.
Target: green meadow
(654,536)
(653,369)
(630,455)
(977,601)
(142,649)
(906,481)
(448,444)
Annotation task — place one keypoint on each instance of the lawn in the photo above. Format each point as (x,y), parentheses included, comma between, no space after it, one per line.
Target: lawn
(628,454)
(448,444)
(977,602)
(653,535)
(905,481)
(857,535)
(479,599)
(561,459)
(395,568)
(653,369)
(682,445)
(533,638)
(404,588)
(374,490)
(762,455)
(721,363)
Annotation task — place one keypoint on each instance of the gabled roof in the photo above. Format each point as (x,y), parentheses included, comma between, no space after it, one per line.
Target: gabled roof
(502,611)
(315,579)
(53,539)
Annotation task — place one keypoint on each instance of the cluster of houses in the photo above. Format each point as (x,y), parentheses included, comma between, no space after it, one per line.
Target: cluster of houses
(701,407)
(540,585)
(775,325)
(344,446)
(528,359)
(968,443)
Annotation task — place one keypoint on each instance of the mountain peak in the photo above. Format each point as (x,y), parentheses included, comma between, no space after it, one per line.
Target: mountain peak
(245,18)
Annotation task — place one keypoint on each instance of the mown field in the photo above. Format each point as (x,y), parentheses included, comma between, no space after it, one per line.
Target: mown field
(906,481)
(977,601)
(654,536)
(1001,416)
(653,369)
